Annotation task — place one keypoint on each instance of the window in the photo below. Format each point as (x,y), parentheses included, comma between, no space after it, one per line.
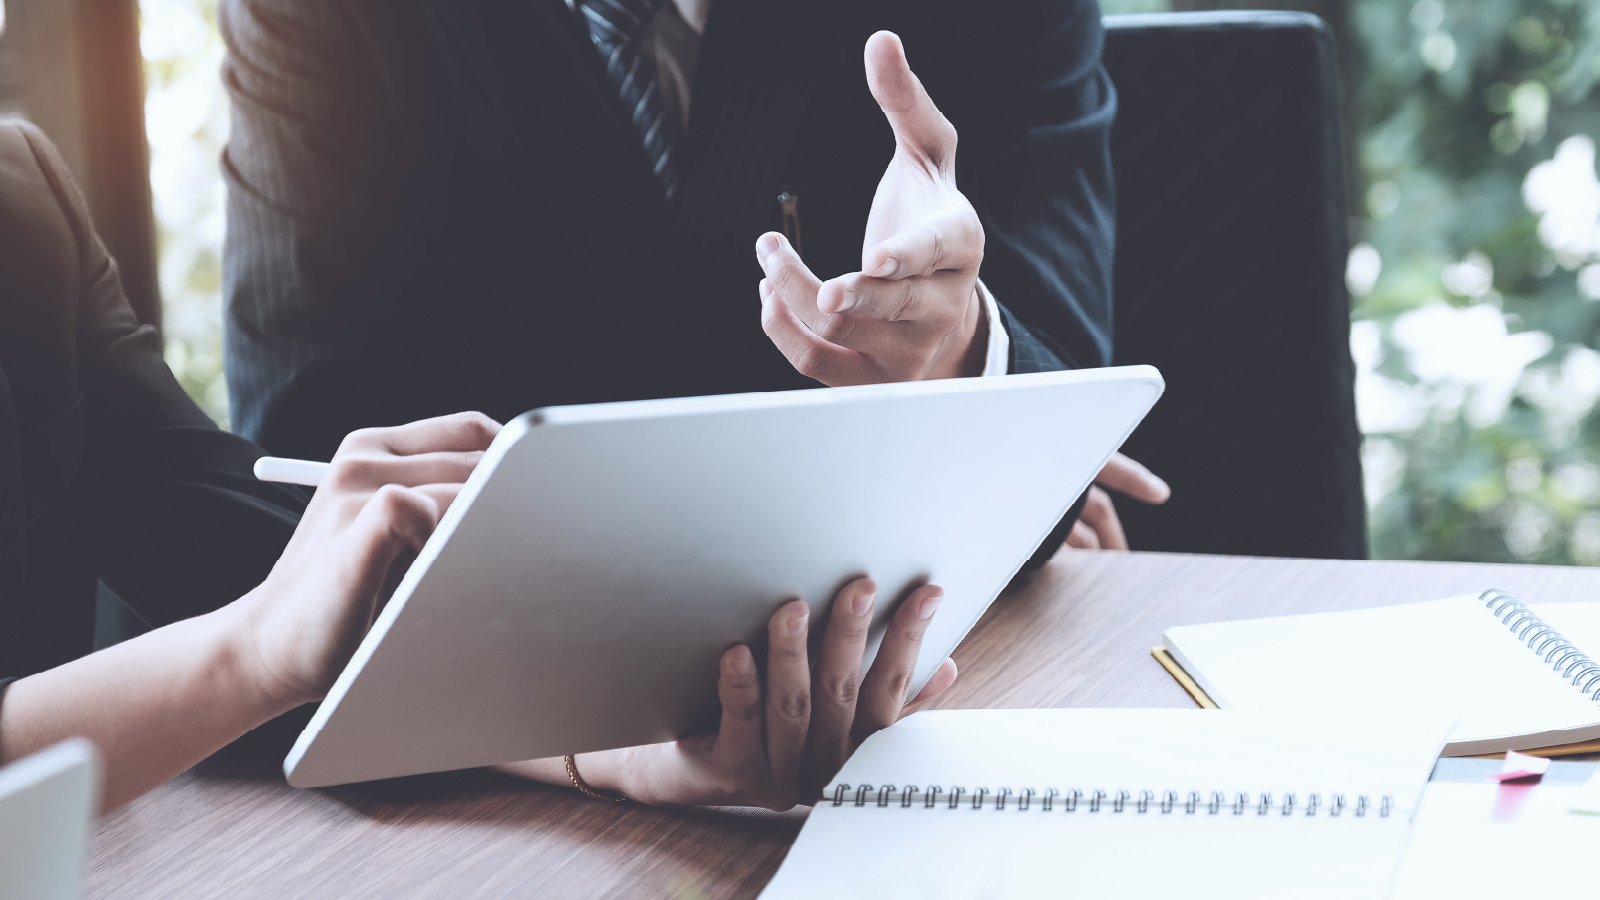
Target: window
(186,121)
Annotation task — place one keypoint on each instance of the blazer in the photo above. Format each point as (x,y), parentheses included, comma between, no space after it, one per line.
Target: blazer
(438,205)
(107,469)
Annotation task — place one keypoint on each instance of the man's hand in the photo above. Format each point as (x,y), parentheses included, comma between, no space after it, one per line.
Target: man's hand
(1099,528)
(913,311)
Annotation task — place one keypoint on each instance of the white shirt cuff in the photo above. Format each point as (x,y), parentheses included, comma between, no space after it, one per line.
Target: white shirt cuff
(997,360)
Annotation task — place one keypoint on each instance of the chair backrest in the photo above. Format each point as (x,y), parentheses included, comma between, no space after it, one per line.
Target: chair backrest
(1231,250)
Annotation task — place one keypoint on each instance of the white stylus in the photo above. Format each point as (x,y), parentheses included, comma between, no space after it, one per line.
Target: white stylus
(290,471)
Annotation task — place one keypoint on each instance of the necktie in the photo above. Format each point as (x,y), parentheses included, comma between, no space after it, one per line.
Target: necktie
(616,27)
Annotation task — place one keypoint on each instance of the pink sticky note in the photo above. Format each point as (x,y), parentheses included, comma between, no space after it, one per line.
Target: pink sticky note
(1521,765)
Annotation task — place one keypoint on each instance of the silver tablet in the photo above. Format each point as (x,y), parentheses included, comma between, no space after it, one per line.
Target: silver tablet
(579,592)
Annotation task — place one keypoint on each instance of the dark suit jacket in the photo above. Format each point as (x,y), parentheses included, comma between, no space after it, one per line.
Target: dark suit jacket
(107,469)
(438,205)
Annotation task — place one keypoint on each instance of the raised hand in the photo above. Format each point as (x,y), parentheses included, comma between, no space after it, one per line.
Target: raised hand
(913,311)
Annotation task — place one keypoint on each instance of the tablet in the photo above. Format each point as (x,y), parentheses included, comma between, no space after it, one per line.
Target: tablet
(600,559)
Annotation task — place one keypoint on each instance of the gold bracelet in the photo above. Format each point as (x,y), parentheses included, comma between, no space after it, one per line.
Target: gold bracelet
(583,786)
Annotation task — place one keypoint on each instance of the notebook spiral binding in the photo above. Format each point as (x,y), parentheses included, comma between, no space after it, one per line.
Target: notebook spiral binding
(1567,660)
(1164,803)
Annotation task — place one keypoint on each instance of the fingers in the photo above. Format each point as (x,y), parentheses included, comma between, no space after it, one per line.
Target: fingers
(788,296)
(1101,516)
(919,128)
(788,690)
(950,240)
(462,431)
(1126,476)
(850,301)
(1082,537)
(810,355)
(789,279)
(838,678)
(884,691)
(943,678)
(441,494)
(391,520)
(371,469)
(739,689)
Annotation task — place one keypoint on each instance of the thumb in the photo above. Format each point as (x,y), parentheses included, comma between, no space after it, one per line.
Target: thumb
(919,128)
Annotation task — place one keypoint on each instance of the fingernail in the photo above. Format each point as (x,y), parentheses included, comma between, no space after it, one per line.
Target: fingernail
(887,269)
(797,624)
(862,604)
(929,605)
(765,247)
(765,289)
(742,662)
(849,302)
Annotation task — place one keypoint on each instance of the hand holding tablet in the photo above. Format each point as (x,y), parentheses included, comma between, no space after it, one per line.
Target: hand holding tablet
(781,738)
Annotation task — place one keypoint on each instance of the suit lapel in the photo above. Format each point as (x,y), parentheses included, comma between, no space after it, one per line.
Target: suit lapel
(512,65)
(580,57)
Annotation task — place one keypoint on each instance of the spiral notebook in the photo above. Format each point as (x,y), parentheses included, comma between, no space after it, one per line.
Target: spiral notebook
(1522,676)
(1118,803)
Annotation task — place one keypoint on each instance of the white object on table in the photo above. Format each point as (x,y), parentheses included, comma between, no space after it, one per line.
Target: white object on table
(47,804)
(1518,682)
(1109,830)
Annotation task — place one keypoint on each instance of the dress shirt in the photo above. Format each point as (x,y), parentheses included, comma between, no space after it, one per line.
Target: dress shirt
(672,42)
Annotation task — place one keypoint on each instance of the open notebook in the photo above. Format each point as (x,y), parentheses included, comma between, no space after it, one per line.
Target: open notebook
(1117,803)
(1520,675)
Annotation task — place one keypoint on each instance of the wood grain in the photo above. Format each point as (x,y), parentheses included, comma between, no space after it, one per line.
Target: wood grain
(1079,634)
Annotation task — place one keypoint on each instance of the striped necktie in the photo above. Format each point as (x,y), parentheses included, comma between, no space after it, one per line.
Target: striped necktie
(616,27)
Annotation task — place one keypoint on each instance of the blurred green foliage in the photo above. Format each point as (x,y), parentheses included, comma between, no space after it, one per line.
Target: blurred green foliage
(1460,102)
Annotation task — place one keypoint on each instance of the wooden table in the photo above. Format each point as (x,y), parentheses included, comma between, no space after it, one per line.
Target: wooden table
(1078,635)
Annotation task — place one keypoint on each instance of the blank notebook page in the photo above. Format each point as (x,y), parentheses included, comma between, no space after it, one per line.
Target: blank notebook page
(920,852)
(1444,655)
(1504,842)
(1577,622)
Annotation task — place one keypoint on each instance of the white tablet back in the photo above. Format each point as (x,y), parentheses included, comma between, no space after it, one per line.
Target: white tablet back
(47,806)
(579,592)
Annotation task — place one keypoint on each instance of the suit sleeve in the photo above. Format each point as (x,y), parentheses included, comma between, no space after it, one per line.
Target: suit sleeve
(317,252)
(177,525)
(1039,175)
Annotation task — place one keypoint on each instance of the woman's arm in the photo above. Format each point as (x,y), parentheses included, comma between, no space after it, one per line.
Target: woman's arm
(162,702)
(154,705)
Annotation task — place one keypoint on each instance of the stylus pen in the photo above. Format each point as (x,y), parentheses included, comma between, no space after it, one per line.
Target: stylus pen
(290,471)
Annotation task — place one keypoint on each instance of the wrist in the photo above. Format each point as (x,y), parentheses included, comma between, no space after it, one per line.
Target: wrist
(965,350)
(238,656)
(612,770)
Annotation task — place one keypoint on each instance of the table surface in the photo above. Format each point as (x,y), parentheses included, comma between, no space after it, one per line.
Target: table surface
(1079,634)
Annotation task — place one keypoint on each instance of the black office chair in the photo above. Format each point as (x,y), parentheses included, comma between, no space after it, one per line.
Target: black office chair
(1231,250)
